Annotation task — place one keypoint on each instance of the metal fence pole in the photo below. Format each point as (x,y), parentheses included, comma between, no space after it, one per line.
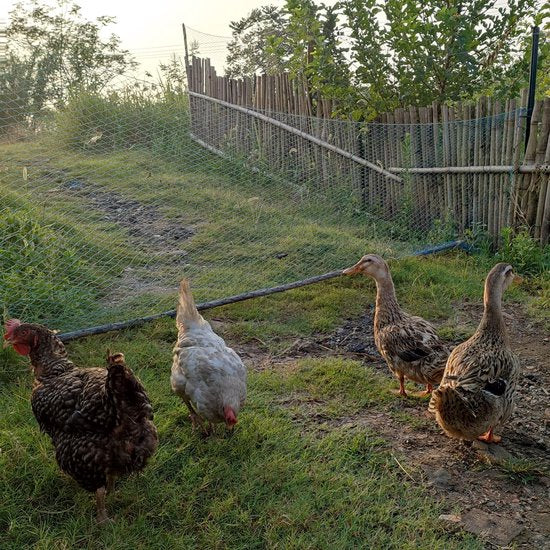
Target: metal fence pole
(532,80)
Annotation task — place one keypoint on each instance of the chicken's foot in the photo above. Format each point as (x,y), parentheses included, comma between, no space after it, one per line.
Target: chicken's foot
(196,421)
(110,483)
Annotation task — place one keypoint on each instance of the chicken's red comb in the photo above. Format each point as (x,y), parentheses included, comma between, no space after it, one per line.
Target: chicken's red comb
(11,325)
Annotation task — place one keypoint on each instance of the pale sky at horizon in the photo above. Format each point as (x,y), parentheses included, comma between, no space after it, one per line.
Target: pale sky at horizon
(153,34)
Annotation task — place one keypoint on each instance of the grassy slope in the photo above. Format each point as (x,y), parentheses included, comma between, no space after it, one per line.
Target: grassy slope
(225,256)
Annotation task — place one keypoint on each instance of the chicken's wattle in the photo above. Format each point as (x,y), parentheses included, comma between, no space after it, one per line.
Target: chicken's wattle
(22,349)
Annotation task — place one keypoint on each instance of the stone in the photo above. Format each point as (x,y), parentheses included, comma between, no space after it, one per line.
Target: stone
(497,529)
(450,518)
(491,452)
(441,479)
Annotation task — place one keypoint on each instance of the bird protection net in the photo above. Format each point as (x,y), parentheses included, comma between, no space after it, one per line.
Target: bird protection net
(108,201)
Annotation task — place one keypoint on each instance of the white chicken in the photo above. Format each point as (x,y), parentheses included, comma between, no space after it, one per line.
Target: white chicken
(209,376)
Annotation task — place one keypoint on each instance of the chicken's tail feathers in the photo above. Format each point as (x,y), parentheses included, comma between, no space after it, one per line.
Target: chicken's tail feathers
(187,310)
(126,390)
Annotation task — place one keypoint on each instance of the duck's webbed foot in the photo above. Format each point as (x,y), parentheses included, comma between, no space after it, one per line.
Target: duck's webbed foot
(490,437)
(428,391)
(402,392)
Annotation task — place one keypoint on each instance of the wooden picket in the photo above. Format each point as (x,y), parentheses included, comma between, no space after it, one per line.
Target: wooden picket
(466,163)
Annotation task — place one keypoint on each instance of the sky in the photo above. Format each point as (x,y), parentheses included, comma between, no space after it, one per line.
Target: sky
(154,32)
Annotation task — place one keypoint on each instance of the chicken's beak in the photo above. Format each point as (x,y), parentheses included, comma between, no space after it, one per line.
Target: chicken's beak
(517,280)
(353,270)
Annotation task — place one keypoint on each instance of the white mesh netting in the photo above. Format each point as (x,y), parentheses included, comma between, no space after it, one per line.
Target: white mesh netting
(108,202)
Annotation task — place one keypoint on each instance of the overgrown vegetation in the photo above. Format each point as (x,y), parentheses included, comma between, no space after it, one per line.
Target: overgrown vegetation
(373,56)
(135,117)
(523,252)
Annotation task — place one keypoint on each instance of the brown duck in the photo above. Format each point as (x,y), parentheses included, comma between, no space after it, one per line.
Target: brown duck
(409,344)
(477,391)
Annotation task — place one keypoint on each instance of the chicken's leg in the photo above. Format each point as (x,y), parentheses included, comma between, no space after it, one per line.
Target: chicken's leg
(110,483)
(196,420)
(100,505)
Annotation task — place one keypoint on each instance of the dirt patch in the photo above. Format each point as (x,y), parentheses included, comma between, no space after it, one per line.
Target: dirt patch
(355,336)
(477,494)
(144,223)
(146,228)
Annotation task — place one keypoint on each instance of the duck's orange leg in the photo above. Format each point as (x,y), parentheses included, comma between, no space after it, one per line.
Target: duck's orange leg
(490,437)
(428,391)
(402,385)
(401,391)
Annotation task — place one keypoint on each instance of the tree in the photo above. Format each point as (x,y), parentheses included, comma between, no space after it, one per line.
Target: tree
(399,52)
(249,51)
(302,38)
(315,51)
(53,50)
(408,52)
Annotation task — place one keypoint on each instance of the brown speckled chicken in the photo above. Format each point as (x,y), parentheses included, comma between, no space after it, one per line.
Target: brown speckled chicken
(409,344)
(478,387)
(99,420)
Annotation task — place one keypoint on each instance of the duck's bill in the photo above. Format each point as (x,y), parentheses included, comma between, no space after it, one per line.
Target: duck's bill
(354,269)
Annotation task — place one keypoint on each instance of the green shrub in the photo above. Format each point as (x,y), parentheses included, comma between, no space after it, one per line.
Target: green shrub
(523,252)
(123,120)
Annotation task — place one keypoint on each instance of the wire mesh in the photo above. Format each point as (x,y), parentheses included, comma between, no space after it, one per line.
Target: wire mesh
(208,45)
(107,203)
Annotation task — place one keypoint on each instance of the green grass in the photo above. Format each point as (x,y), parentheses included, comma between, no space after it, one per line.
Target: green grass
(241,223)
(523,470)
(273,484)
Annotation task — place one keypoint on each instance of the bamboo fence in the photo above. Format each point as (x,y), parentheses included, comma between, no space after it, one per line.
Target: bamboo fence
(466,164)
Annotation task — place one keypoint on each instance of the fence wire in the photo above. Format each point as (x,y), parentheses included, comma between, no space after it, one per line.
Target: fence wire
(107,203)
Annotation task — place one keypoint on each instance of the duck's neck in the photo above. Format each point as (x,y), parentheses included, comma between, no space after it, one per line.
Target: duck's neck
(492,322)
(387,308)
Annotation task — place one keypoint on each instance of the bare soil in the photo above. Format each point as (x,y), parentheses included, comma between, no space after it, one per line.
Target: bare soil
(500,492)
(144,223)
(147,229)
